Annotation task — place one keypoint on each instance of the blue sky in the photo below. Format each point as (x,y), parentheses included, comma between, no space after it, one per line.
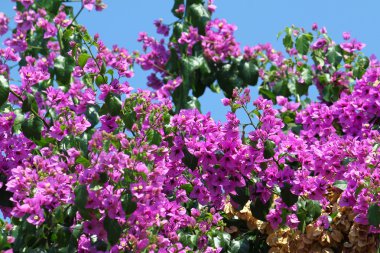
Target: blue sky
(257,21)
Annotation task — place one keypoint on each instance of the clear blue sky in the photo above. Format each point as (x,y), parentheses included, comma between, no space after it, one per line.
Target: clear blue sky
(257,21)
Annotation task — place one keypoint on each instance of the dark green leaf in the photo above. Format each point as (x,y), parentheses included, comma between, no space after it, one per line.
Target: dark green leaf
(32,128)
(29,104)
(331,93)
(63,67)
(241,198)
(4,90)
(92,115)
(249,72)
(222,240)
(269,149)
(338,127)
(188,240)
(128,203)
(154,137)
(228,79)
(374,215)
(129,118)
(173,61)
(113,229)
(198,16)
(259,209)
(281,88)
(5,196)
(313,208)
(189,159)
(267,94)
(176,4)
(113,104)
(287,196)
(240,246)
(81,196)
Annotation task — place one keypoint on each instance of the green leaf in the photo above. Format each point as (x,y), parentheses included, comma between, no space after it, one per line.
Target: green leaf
(113,229)
(81,196)
(190,65)
(313,208)
(129,118)
(240,246)
(173,61)
(154,137)
(44,142)
(340,184)
(4,90)
(338,127)
(113,104)
(361,66)
(188,240)
(29,104)
(228,78)
(198,17)
(303,43)
(249,72)
(222,240)
(92,115)
(281,88)
(259,209)
(215,88)
(241,198)
(189,159)
(84,161)
(99,80)
(288,41)
(5,197)
(374,215)
(307,212)
(334,55)
(187,187)
(267,94)
(192,103)
(63,67)
(82,59)
(287,196)
(18,121)
(307,76)
(331,93)
(269,149)
(128,203)
(176,4)
(32,128)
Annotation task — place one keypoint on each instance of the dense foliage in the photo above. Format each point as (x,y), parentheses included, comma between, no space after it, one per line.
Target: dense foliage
(88,164)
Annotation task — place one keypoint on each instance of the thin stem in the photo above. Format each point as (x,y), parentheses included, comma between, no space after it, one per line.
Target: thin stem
(75,18)
(249,117)
(93,57)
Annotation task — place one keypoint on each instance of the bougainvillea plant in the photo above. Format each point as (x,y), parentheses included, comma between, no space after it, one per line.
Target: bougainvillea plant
(88,164)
